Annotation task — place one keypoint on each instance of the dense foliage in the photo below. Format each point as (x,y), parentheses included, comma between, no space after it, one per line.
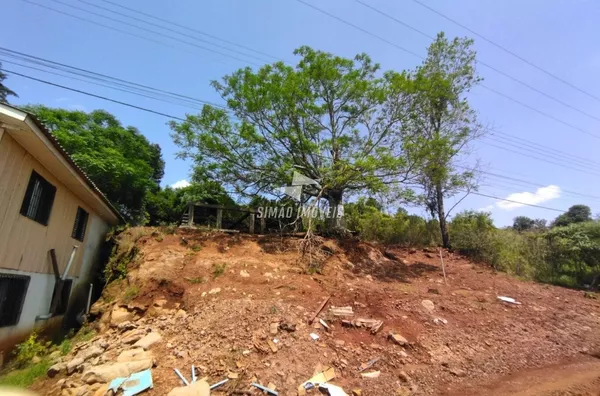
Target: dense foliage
(120,160)
(166,206)
(566,255)
(333,119)
(5,92)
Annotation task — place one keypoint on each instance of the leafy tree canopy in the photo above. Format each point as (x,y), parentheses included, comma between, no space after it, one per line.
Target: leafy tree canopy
(120,160)
(4,91)
(330,118)
(575,214)
(166,206)
(442,124)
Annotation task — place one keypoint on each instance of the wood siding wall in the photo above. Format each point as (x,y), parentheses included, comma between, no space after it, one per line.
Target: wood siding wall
(24,243)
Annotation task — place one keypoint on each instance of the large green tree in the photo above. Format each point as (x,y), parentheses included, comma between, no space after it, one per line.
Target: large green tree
(4,91)
(332,119)
(442,124)
(575,214)
(119,159)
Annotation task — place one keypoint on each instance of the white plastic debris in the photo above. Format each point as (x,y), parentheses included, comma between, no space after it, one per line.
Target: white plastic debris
(314,336)
(508,300)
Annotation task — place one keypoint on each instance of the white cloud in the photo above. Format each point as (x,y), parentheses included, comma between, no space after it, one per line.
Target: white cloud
(542,194)
(180,184)
(486,208)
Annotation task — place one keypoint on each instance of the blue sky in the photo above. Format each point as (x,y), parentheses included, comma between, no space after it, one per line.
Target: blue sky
(562,36)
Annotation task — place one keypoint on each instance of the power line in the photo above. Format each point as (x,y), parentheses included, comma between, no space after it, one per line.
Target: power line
(100,84)
(190,29)
(95,96)
(573,157)
(165,28)
(495,44)
(154,32)
(517,202)
(528,155)
(576,128)
(422,58)
(99,76)
(482,63)
(539,149)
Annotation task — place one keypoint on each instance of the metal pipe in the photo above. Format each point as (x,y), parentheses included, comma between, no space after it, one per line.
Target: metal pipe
(193,374)
(265,389)
(89,302)
(218,384)
(64,276)
(182,377)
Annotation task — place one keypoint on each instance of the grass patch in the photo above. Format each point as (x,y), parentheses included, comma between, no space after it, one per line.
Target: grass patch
(196,248)
(196,280)
(25,377)
(218,269)
(130,293)
(273,310)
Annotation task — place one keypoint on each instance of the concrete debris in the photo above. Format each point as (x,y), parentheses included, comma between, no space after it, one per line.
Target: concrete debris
(107,372)
(398,339)
(274,328)
(244,274)
(373,325)
(428,305)
(215,290)
(371,374)
(341,311)
(440,321)
(149,340)
(324,324)
(314,336)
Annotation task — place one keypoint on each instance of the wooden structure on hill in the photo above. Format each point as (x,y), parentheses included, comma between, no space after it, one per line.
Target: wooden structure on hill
(218,217)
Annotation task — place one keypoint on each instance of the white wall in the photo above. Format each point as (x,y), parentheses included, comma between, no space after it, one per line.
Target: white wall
(41,286)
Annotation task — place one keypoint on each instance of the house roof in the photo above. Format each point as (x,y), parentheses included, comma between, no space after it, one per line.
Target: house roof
(32,122)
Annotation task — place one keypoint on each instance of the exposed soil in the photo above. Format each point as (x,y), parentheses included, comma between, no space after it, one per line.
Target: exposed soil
(544,346)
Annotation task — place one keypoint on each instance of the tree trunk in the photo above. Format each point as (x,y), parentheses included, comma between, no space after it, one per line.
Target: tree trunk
(442,216)
(334,221)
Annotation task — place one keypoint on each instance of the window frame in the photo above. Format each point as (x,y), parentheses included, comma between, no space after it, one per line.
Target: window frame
(18,310)
(40,194)
(77,229)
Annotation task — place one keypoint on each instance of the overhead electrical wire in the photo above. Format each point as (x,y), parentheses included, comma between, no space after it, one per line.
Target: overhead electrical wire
(94,95)
(165,28)
(154,32)
(190,29)
(99,76)
(501,47)
(422,58)
(481,63)
(514,201)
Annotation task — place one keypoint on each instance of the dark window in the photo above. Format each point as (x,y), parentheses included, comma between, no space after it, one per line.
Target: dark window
(62,293)
(13,289)
(80,223)
(38,200)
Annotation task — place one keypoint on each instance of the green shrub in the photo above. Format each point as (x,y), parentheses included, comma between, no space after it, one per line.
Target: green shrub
(29,348)
(218,269)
